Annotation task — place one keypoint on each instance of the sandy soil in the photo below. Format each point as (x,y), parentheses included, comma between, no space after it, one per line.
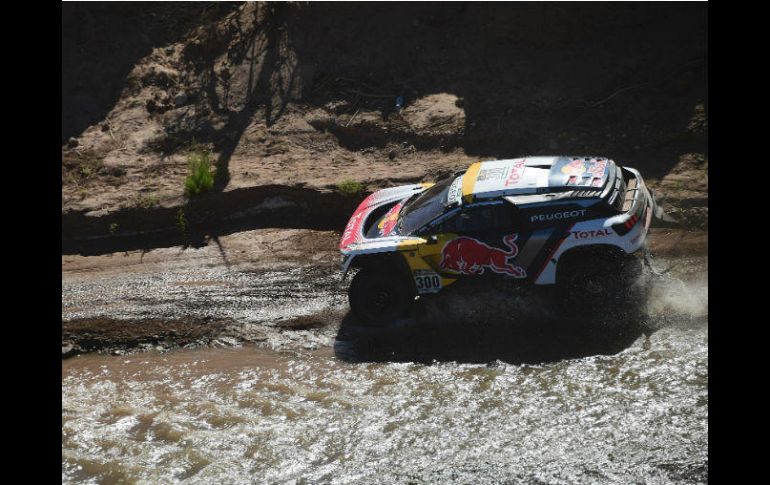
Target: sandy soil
(277,107)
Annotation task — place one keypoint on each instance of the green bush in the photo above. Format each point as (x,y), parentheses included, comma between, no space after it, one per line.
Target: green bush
(350,188)
(200,179)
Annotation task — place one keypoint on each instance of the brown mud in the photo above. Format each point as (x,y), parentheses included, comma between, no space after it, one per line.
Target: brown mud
(273,287)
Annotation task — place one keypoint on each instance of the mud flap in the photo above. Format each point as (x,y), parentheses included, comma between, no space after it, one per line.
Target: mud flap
(659,213)
(662,216)
(346,260)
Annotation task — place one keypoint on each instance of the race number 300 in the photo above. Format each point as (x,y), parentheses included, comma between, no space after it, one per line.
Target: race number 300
(427,281)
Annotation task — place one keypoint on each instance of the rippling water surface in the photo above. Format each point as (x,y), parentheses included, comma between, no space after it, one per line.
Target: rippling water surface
(244,415)
(254,415)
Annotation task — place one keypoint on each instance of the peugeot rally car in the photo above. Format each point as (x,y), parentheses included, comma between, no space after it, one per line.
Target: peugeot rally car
(565,221)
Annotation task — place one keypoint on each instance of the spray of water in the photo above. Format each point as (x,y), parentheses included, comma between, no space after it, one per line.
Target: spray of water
(679,296)
(672,298)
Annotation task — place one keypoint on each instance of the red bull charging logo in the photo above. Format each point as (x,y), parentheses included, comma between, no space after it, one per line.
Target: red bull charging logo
(388,223)
(471,256)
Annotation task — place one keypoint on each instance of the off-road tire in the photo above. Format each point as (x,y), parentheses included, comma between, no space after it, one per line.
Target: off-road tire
(599,288)
(378,296)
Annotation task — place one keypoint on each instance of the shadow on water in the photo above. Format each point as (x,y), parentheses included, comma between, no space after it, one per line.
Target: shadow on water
(487,325)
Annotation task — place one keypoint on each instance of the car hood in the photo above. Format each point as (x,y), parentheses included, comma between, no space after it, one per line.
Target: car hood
(361,232)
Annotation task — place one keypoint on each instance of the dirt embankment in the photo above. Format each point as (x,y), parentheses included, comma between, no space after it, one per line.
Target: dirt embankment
(294,98)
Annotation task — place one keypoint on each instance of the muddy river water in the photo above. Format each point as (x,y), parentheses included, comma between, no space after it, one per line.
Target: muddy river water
(544,406)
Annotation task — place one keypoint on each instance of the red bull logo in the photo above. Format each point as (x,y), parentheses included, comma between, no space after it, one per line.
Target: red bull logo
(388,223)
(472,257)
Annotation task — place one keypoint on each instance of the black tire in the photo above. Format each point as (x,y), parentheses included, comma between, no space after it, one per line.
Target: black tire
(378,296)
(598,286)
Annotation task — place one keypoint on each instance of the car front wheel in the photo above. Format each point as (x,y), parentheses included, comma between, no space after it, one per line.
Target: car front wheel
(378,297)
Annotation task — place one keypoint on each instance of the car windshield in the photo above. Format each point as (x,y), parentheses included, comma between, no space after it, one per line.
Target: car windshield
(425,207)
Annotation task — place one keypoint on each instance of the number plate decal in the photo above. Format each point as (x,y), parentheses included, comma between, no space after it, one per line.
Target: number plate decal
(427,281)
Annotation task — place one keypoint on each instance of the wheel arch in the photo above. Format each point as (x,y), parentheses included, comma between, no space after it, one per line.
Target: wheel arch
(386,259)
(392,261)
(614,253)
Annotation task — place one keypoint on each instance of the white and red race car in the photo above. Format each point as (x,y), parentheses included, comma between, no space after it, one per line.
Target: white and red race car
(572,222)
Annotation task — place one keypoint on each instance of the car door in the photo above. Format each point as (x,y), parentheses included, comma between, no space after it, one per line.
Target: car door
(480,239)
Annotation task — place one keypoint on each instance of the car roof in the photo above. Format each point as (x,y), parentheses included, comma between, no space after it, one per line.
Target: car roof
(533,175)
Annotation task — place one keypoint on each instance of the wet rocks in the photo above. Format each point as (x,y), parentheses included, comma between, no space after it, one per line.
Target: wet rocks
(68,349)
(226,342)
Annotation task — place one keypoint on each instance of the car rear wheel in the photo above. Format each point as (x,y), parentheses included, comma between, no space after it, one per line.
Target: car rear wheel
(378,296)
(598,287)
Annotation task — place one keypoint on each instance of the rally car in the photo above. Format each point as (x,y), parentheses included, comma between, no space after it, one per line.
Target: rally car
(573,222)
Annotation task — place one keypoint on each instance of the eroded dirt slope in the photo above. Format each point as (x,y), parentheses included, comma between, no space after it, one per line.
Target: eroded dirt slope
(302,96)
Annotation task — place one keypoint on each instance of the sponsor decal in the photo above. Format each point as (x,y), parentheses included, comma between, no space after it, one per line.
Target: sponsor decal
(472,257)
(350,235)
(426,281)
(388,223)
(558,215)
(587,234)
(597,167)
(517,169)
(491,174)
(455,191)
(575,167)
(586,170)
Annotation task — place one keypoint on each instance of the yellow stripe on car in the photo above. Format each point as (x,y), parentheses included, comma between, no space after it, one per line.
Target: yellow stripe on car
(469,181)
(409,244)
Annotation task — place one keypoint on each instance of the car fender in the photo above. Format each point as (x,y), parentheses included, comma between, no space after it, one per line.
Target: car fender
(596,232)
(374,246)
